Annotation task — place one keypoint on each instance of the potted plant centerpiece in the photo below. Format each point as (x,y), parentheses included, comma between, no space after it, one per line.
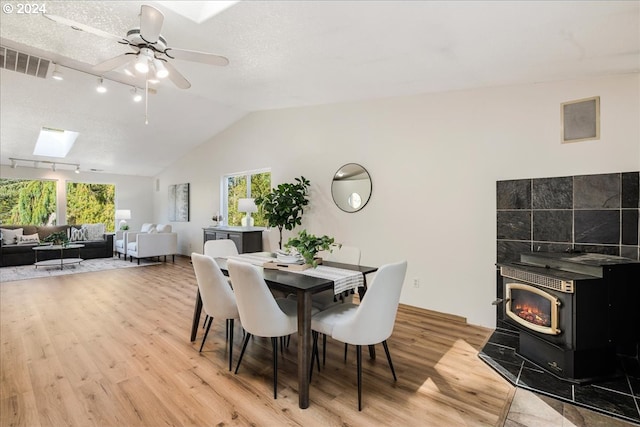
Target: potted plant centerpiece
(284,205)
(308,246)
(57,238)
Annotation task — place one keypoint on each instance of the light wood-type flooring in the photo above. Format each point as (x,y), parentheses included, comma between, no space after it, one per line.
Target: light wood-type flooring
(112,349)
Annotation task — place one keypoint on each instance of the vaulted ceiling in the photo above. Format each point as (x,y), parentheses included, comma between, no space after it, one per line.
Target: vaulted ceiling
(287,54)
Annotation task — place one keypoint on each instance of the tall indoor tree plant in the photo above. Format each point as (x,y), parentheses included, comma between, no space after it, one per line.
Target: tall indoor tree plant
(284,205)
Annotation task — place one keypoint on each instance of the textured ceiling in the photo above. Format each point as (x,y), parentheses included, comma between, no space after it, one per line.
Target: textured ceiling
(288,54)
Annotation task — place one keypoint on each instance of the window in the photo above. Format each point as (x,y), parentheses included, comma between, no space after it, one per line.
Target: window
(235,187)
(27,202)
(91,204)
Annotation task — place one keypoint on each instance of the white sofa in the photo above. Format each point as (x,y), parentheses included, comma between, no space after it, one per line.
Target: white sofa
(159,241)
(121,241)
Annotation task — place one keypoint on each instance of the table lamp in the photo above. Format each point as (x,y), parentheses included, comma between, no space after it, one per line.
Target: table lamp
(248,206)
(122,215)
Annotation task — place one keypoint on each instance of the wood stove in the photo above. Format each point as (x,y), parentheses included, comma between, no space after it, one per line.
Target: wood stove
(573,311)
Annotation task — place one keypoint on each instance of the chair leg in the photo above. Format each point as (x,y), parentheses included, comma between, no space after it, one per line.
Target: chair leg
(274,346)
(324,349)
(206,333)
(359,363)
(230,342)
(206,317)
(345,352)
(314,348)
(244,347)
(386,350)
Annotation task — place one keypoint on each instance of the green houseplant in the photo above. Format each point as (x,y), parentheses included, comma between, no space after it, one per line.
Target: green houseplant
(309,245)
(57,238)
(284,205)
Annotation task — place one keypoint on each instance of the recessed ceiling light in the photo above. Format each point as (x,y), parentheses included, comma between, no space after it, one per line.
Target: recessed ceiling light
(54,142)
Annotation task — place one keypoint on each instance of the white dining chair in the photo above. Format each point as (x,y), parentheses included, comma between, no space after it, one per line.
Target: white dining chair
(218,299)
(368,323)
(260,313)
(221,248)
(325,299)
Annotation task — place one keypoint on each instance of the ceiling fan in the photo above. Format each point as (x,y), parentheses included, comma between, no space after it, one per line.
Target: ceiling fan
(150,49)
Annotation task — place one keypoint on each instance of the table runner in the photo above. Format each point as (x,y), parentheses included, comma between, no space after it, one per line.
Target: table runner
(343,279)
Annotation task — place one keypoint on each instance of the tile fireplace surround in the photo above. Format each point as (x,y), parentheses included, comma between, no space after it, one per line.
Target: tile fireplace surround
(585,213)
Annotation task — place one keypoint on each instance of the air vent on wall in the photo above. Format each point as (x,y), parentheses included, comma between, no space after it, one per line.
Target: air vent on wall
(23,63)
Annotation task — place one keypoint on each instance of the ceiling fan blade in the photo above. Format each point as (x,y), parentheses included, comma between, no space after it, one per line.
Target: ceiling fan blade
(195,56)
(151,20)
(81,27)
(112,63)
(177,78)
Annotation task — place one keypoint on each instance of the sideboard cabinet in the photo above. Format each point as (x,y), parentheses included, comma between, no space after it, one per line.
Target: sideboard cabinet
(247,239)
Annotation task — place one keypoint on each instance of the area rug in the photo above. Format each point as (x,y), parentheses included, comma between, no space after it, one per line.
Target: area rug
(22,272)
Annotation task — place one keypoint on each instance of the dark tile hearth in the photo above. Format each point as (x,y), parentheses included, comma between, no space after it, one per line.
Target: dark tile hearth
(618,397)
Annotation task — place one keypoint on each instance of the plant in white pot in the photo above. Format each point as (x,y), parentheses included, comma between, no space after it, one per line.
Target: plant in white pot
(308,246)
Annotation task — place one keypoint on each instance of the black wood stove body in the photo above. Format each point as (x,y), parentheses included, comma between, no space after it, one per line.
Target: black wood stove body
(574,311)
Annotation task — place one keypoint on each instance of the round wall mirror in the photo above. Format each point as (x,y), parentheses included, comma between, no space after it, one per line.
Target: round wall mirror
(351,187)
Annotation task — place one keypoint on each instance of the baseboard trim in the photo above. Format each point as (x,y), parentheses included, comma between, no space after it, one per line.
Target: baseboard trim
(432,313)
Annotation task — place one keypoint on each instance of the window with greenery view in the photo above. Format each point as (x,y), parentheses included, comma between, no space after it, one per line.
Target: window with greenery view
(235,187)
(91,204)
(28,202)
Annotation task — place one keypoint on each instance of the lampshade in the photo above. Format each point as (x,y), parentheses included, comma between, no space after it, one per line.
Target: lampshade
(123,214)
(247,205)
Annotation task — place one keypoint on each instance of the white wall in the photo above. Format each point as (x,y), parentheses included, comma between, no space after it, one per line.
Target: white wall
(440,153)
(132,192)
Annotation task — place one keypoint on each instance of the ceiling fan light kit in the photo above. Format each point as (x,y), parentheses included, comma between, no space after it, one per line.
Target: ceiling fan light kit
(151,55)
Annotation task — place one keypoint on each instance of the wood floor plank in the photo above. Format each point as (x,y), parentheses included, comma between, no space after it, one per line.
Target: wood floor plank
(112,348)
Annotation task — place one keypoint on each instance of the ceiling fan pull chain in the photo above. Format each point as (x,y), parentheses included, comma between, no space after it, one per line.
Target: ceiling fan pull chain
(146,101)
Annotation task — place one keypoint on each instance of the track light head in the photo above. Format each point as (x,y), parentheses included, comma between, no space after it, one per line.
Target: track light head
(101,88)
(137,96)
(57,74)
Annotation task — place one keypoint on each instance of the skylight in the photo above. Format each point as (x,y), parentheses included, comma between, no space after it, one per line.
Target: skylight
(54,142)
(198,11)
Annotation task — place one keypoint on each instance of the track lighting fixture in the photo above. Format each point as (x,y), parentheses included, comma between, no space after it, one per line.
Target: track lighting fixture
(57,74)
(101,88)
(36,163)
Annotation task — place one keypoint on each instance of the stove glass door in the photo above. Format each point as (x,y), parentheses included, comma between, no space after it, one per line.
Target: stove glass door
(532,307)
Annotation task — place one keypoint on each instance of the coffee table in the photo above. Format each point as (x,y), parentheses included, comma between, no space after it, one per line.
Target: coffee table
(61,261)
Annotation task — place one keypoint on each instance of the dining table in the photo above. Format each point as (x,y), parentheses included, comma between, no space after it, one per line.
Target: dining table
(303,286)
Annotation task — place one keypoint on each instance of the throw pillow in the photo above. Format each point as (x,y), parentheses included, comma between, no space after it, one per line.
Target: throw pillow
(94,231)
(146,227)
(163,228)
(10,237)
(152,230)
(30,239)
(79,234)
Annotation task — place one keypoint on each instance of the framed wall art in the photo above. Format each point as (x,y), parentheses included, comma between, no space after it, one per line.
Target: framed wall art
(580,120)
(179,203)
